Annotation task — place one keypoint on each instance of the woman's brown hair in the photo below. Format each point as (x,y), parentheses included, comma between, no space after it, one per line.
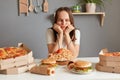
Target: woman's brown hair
(68,10)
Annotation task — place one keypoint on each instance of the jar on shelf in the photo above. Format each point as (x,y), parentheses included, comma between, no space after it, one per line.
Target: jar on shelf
(76,8)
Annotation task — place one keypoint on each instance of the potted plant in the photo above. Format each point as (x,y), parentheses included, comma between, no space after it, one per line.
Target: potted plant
(90,5)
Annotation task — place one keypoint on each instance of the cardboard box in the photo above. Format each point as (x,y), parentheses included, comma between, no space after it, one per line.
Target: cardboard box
(103,68)
(109,58)
(31,65)
(7,63)
(110,63)
(18,61)
(107,68)
(102,57)
(117,69)
(17,70)
(6,66)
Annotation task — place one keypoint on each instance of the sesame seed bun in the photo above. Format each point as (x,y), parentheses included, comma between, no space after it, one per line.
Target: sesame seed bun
(80,63)
(48,61)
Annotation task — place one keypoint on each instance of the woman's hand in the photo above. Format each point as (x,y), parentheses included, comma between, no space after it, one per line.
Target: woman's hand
(68,29)
(57,28)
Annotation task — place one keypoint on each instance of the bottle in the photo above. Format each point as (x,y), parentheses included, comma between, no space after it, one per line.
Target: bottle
(45,6)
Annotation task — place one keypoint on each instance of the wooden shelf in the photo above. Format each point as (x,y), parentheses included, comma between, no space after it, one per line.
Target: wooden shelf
(101,14)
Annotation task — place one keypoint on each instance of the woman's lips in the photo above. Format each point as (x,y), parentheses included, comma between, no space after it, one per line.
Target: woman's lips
(63,28)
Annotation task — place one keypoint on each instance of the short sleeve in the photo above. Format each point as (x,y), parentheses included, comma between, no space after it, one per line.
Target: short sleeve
(50,36)
(77,36)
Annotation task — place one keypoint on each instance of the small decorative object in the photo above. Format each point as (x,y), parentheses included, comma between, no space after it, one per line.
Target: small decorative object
(45,6)
(38,7)
(23,7)
(31,7)
(92,4)
(76,8)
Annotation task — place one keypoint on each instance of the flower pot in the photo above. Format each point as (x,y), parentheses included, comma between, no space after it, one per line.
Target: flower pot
(90,7)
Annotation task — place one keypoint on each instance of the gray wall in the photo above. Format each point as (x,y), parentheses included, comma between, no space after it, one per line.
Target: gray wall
(31,29)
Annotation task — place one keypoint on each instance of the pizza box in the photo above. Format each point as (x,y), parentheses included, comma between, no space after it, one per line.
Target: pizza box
(110,63)
(31,65)
(102,57)
(17,61)
(5,66)
(107,68)
(17,70)
(117,69)
(24,62)
(14,70)
(7,63)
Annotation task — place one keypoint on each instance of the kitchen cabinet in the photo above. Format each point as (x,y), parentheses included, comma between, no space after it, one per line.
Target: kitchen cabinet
(100,14)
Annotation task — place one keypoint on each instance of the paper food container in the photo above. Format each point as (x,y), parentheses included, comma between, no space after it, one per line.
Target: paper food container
(8,63)
(103,68)
(18,63)
(108,58)
(108,61)
(17,70)
(107,68)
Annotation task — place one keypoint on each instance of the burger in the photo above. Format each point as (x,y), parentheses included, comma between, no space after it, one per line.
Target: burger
(49,61)
(62,62)
(80,66)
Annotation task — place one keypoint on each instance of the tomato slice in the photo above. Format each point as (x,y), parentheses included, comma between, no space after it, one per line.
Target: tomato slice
(59,51)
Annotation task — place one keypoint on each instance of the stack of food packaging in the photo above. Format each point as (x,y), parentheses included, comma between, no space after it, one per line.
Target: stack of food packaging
(15,60)
(108,61)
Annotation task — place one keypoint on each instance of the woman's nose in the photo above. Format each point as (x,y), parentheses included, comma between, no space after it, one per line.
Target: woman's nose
(64,22)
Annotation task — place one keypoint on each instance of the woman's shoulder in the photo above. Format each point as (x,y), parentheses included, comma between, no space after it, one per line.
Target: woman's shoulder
(77,30)
(50,29)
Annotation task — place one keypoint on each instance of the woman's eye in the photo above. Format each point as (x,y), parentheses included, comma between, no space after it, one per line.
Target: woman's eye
(59,20)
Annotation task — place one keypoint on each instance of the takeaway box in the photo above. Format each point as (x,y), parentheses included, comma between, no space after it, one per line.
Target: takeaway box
(18,70)
(18,64)
(108,61)
(102,68)
(105,55)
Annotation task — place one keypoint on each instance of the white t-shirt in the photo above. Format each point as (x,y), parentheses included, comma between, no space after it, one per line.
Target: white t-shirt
(51,39)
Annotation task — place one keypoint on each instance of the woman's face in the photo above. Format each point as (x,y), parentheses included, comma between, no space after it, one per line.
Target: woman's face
(63,20)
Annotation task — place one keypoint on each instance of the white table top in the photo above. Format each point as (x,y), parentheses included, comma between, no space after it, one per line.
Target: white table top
(62,74)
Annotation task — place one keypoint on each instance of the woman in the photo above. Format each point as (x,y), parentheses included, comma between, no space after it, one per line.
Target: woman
(63,33)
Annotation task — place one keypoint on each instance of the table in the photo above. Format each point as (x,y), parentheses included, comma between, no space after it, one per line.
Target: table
(61,73)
